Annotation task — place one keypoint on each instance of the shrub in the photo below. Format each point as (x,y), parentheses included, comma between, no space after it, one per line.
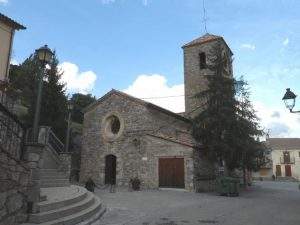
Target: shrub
(135,183)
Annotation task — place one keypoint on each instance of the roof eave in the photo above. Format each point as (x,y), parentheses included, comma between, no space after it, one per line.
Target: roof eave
(10,22)
(207,41)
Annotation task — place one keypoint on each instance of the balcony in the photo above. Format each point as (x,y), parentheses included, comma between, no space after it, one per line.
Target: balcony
(287,160)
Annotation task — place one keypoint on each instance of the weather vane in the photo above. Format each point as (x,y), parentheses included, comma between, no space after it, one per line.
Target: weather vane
(204,16)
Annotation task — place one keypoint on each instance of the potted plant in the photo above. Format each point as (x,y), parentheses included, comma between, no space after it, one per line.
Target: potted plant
(135,183)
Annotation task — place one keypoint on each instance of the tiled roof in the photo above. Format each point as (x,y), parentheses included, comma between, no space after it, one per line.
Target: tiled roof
(10,22)
(188,143)
(137,100)
(204,39)
(284,143)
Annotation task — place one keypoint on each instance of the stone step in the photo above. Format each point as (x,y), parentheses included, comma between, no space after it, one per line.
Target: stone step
(83,217)
(54,183)
(55,214)
(51,205)
(286,179)
(57,177)
(50,172)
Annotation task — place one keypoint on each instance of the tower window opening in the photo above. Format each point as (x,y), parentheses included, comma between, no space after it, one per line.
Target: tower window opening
(202,60)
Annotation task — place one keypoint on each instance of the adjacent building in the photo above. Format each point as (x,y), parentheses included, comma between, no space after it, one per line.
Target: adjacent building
(125,137)
(284,159)
(7,31)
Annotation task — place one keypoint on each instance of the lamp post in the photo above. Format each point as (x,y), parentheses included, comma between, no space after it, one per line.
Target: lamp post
(44,55)
(70,108)
(289,99)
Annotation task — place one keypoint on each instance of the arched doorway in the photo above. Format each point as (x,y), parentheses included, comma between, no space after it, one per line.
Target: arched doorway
(110,169)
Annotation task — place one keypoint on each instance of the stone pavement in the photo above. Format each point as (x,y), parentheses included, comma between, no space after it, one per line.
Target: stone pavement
(266,203)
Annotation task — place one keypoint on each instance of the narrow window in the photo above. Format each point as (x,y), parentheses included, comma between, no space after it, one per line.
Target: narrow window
(202,60)
(299,154)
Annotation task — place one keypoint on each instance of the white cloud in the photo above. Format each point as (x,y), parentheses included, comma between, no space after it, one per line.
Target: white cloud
(280,122)
(145,2)
(3,1)
(248,46)
(77,81)
(107,1)
(152,87)
(286,42)
(13,61)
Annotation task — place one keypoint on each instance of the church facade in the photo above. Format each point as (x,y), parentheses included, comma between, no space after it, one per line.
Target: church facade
(125,137)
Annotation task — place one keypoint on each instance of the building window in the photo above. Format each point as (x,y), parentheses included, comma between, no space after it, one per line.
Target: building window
(115,125)
(299,154)
(202,57)
(286,157)
(112,126)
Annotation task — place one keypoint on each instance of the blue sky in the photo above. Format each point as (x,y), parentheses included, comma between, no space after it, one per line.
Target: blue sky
(135,46)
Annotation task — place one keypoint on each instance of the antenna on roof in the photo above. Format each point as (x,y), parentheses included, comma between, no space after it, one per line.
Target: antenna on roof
(204,16)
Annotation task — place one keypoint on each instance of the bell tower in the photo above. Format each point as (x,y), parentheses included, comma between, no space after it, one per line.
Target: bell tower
(199,58)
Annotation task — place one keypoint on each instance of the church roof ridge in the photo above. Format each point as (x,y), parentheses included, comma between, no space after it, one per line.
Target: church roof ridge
(138,100)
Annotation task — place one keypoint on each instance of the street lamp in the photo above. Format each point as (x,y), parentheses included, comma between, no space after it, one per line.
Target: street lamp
(44,55)
(289,99)
(70,108)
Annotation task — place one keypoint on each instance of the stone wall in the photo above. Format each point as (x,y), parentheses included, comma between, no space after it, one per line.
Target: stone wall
(15,182)
(133,145)
(75,145)
(195,80)
(204,172)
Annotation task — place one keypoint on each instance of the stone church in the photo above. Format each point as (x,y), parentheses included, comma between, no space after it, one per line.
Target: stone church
(125,137)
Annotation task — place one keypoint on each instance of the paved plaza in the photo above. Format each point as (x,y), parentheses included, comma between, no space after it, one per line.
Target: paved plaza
(265,203)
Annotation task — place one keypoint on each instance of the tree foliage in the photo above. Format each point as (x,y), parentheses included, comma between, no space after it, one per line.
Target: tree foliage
(80,101)
(227,125)
(54,100)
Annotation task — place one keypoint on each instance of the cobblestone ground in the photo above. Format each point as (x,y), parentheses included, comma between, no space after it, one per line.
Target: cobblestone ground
(266,203)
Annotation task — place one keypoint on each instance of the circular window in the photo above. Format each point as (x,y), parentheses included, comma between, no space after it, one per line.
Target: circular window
(112,126)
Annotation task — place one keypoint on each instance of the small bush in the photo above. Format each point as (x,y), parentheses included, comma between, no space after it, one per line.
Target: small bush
(135,183)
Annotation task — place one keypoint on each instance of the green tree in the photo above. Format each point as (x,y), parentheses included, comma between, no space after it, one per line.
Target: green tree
(80,101)
(54,101)
(213,124)
(227,125)
(249,149)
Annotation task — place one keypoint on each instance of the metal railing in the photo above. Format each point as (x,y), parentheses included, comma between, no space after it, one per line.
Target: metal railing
(47,137)
(12,133)
(290,160)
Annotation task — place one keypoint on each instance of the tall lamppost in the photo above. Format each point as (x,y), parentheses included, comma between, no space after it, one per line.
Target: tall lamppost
(289,99)
(70,108)
(44,55)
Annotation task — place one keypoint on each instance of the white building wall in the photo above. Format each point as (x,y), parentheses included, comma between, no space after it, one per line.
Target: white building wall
(6,36)
(295,167)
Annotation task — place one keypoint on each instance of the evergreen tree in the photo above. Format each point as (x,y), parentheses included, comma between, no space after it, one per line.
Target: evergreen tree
(54,101)
(249,149)
(213,124)
(80,101)
(227,125)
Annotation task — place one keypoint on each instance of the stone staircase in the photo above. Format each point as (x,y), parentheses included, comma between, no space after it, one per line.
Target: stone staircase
(67,206)
(53,178)
(287,179)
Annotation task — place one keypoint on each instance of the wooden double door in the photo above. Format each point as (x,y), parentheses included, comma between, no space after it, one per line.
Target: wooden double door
(171,172)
